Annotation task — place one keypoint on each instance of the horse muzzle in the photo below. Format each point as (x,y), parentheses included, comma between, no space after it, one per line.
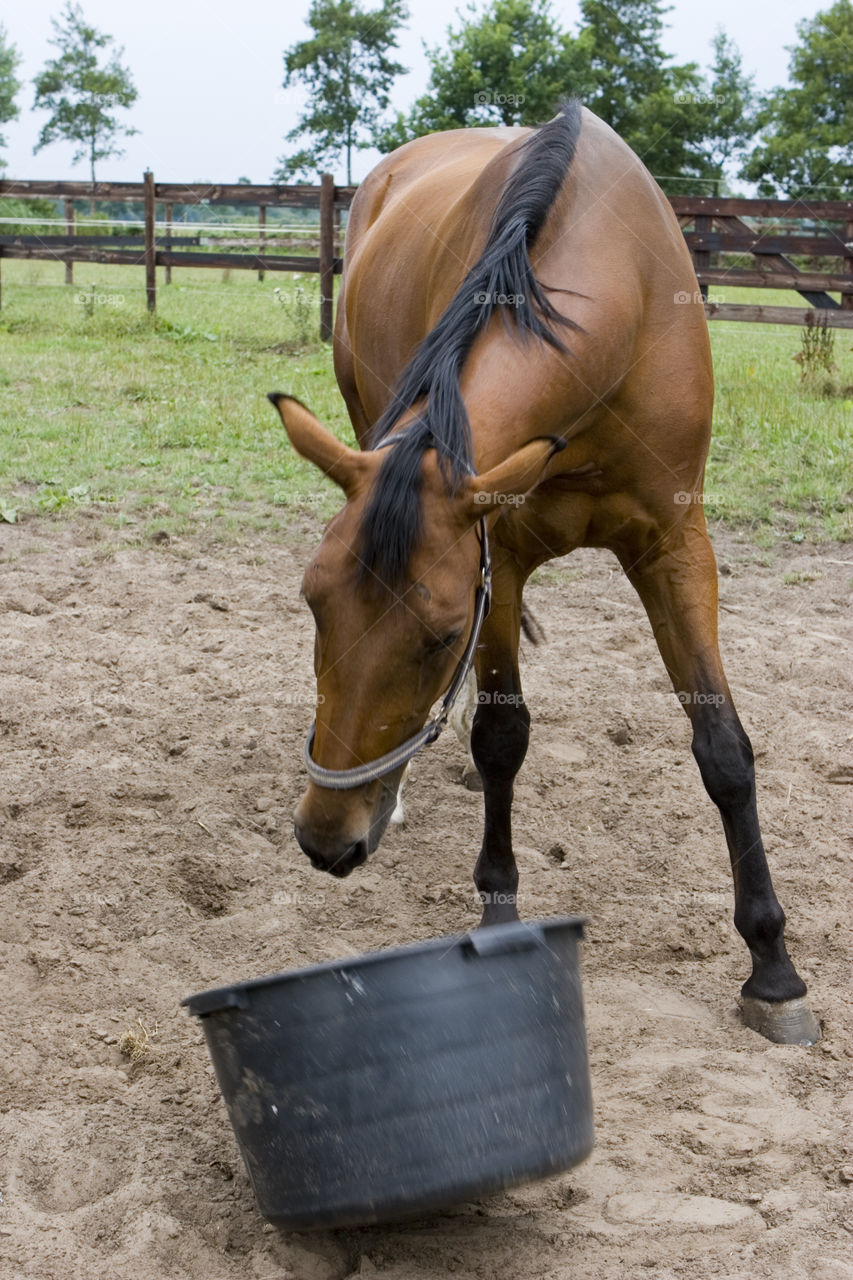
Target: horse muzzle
(339,830)
(339,864)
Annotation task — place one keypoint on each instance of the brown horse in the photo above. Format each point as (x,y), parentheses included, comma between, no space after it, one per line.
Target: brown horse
(524,356)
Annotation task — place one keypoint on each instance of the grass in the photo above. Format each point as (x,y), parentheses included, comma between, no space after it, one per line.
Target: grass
(162,427)
(163,423)
(135,1042)
(780,460)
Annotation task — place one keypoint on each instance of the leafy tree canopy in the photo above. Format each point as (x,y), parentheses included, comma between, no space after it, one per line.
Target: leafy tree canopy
(805,147)
(348,71)
(510,62)
(9,83)
(83,89)
(657,106)
(732,109)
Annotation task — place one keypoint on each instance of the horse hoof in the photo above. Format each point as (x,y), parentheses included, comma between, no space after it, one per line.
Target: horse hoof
(471,778)
(785,1022)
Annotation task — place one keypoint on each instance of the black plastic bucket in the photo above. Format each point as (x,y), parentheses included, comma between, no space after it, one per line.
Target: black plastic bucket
(403,1081)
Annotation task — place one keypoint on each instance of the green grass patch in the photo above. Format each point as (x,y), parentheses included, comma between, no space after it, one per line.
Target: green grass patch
(162,418)
(780,460)
(161,424)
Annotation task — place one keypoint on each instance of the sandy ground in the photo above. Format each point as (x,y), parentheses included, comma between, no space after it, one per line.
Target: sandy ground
(152,714)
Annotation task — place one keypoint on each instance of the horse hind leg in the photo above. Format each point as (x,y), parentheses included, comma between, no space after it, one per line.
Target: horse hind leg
(398,817)
(677,584)
(461,720)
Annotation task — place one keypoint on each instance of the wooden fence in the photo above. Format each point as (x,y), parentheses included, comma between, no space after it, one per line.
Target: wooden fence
(156,247)
(749,243)
(734,243)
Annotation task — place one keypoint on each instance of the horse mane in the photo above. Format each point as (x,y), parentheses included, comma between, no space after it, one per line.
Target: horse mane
(391,523)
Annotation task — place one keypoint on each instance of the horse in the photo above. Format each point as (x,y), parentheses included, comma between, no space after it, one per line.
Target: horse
(524,356)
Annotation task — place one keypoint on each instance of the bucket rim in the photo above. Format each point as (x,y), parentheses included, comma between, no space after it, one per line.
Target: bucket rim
(484,940)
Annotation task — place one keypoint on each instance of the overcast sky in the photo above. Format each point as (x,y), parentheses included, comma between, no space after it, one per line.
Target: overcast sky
(211,106)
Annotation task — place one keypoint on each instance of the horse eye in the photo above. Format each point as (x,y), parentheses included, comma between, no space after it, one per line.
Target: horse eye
(436,646)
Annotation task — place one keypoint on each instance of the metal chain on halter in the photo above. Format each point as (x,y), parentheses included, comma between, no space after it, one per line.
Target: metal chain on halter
(346,779)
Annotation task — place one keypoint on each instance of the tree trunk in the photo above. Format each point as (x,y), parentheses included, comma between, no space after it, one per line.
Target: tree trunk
(349,121)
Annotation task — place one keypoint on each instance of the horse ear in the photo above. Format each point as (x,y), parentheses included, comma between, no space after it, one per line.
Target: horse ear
(313,441)
(516,475)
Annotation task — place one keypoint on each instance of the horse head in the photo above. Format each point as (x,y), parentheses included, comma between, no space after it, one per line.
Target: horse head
(385,650)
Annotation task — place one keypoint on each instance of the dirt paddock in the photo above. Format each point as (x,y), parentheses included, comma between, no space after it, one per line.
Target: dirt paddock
(153,710)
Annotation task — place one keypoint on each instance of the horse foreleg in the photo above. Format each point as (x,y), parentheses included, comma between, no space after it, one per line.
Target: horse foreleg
(678,586)
(499,737)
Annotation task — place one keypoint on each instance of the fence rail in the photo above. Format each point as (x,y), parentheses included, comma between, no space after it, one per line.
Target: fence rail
(164,245)
(733,242)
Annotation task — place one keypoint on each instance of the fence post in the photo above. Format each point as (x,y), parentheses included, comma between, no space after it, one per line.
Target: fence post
(69,231)
(327,254)
(262,235)
(150,244)
(701,257)
(847,298)
(168,241)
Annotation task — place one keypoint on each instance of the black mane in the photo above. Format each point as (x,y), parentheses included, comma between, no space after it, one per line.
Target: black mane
(391,523)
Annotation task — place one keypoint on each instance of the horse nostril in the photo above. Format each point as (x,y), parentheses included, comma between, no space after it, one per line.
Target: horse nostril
(355,855)
(312,857)
(358,854)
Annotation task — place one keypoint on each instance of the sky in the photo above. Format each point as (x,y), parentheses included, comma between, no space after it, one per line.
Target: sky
(211,107)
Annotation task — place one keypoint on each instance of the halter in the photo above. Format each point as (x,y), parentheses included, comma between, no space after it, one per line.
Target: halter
(347,779)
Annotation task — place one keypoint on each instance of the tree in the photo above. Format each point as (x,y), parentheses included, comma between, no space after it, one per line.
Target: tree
(653,105)
(509,63)
(805,147)
(347,69)
(82,93)
(731,109)
(626,59)
(9,83)
(689,128)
